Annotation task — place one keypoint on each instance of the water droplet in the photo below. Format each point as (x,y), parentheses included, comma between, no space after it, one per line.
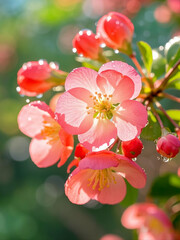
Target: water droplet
(102,45)
(89,32)
(42,61)
(80,55)
(54,65)
(134,159)
(81,33)
(158,158)
(74,50)
(161,48)
(18,89)
(24,66)
(39,96)
(108,18)
(116,51)
(28,100)
(165,159)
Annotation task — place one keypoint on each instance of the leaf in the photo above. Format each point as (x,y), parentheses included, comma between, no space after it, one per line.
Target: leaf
(174,114)
(165,186)
(171,48)
(158,65)
(174,60)
(146,55)
(89,63)
(131,196)
(153,130)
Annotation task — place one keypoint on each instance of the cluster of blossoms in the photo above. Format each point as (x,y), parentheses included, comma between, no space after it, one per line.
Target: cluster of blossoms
(99,107)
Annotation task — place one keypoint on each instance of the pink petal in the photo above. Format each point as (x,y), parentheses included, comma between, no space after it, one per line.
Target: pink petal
(32,116)
(130,170)
(125,70)
(44,154)
(76,187)
(110,237)
(134,216)
(82,78)
(72,113)
(130,118)
(144,234)
(100,135)
(113,194)
(99,160)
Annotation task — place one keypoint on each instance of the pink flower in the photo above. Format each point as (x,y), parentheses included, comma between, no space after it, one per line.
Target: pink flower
(99,106)
(132,148)
(50,142)
(168,146)
(38,77)
(151,222)
(99,176)
(87,44)
(116,31)
(110,237)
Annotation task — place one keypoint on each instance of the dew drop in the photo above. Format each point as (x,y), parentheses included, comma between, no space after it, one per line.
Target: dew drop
(165,159)
(158,158)
(134,159)
(102,45)
(116,51)
(89,32)
(18,89)
(28,100)
(42,61)
(74,50)
(80,55)
(54,65)
(161,48)
(39,96)
(24,66)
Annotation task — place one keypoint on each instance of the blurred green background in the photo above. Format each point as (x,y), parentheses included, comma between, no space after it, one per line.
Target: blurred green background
(32,201)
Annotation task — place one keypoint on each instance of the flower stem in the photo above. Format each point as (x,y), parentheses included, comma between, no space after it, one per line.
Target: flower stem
(165,113)
(112,145)
(169,96)
(118,145)
(144,78)
(168,75)
(157,117)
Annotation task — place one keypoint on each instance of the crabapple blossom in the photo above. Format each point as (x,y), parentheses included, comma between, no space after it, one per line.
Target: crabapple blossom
(152,223)
(99,106)
(110,237)
(38,76)
(87,44)
(99,176)
(50,142)
(132,148)
(168,146)
(116,31)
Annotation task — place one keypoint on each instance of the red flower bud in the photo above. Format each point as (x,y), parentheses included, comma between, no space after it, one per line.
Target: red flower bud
(132,148)
(80,151)
(37,77)
(116,31)
(87,44)
(168,146)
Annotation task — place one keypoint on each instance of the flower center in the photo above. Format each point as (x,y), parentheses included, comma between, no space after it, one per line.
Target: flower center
(156,226)
(101,178)
(102,106)
(50,131)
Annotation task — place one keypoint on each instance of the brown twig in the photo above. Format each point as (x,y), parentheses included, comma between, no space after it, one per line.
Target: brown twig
(169,96)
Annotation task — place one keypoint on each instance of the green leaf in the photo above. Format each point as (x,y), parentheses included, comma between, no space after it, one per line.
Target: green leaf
(153,130)
(131,196)
(174,60)
(158,65)
(174,114)
(174,84)
(165,186)
(171,48)
(86,62)
(146,55)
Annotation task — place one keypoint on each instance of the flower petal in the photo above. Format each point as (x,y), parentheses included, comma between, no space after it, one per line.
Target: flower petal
(76,187)
(44,154)
(82,78)
(113,194)
(130,170)
(32,116)
(100,135)
(99,160)
(110,237)
(72,113)
(130,118)
(125,70)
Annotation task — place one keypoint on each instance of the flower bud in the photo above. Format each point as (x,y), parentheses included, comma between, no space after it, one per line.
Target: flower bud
(168,146)
(38,76)
(132,148)
(116,31)
(80,151)
(87,43)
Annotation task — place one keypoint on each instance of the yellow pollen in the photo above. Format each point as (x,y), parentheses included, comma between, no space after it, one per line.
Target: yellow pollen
(101,178)
(50,131)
